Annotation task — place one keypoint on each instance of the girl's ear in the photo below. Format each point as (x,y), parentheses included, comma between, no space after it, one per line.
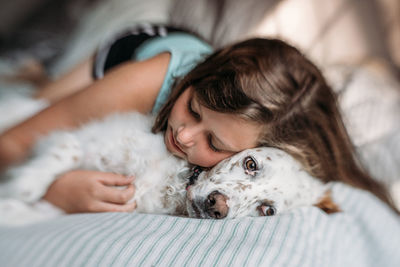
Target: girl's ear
(326,203)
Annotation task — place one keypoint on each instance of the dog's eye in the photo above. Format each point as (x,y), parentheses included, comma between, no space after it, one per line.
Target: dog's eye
(250,165)
(266,210)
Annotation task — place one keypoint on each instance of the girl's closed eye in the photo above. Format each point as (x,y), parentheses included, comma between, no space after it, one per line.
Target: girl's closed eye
(191,111)
(198,117)
(210,144)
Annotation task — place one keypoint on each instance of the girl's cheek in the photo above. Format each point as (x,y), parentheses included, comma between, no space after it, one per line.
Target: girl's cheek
(199,158)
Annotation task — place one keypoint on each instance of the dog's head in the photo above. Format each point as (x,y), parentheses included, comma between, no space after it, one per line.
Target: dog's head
(256,182)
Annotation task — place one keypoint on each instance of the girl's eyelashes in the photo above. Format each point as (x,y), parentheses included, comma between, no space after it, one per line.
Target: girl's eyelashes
(191,111)
(210,144)
(197,116)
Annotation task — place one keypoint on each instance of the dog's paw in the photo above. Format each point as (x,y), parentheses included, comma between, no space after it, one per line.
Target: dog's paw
(16,212)
(26,184)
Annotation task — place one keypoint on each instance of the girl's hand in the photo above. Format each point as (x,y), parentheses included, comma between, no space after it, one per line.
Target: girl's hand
(91,191)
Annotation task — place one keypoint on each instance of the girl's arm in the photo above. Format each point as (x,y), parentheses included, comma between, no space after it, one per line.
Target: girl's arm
(73,81)
(130,86)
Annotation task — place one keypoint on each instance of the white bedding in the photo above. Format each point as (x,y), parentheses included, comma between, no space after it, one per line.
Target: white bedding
(365,234)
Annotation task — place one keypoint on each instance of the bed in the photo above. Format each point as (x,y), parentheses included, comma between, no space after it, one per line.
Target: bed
(365,233)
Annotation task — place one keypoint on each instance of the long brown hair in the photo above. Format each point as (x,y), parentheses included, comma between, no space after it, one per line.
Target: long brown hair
(270,82)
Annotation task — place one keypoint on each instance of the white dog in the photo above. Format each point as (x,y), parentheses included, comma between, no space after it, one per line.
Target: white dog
(255,182)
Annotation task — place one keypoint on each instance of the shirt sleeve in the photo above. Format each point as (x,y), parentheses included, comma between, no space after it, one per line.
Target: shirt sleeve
(186,52)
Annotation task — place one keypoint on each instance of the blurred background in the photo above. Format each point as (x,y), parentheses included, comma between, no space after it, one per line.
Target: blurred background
(339,31)
(39,28)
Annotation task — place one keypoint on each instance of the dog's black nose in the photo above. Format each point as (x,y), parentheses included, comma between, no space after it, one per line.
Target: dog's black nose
(215,205)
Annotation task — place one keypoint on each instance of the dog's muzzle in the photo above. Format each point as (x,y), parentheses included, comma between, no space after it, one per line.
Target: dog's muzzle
(213,207)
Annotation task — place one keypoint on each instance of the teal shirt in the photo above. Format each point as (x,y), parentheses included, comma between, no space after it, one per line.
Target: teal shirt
(186,52)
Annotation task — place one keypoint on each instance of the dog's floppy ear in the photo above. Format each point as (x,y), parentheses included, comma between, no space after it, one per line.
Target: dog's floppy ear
(326,203)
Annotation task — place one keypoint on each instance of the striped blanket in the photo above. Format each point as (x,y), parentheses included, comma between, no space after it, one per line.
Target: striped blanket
(366,233)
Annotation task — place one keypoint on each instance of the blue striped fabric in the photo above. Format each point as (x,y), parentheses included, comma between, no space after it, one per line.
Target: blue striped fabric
(366,233)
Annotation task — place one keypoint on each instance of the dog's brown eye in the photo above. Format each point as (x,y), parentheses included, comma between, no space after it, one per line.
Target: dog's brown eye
(270,211)
(267,210)
(250,164)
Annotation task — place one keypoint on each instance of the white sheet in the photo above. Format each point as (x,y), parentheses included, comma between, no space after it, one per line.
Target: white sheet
(365,234)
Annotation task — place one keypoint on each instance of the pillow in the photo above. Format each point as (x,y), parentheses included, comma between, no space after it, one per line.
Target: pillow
(365,234)
(369,98)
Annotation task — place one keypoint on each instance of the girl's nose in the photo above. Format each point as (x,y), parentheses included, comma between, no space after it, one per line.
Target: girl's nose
(186,135)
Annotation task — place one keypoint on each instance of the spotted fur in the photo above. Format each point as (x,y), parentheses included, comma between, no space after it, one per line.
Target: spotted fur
(278,182)
(123,143)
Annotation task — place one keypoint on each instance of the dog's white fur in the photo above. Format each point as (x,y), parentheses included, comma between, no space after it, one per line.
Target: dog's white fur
(123,143)
(279,182)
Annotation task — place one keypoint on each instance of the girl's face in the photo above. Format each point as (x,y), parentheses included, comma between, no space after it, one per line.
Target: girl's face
(205,137)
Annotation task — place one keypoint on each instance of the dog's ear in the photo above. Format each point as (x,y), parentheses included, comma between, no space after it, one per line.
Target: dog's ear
(326,203)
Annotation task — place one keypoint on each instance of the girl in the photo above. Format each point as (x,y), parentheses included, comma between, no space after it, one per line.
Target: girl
(259,92)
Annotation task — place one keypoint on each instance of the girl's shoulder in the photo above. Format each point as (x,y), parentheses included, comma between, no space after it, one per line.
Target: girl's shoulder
(184,48)
(186,52)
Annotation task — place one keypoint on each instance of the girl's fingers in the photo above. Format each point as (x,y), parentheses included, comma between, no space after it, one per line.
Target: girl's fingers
(113,179)
(117,195)
(110,207)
